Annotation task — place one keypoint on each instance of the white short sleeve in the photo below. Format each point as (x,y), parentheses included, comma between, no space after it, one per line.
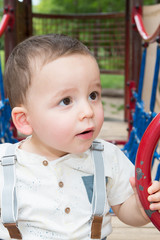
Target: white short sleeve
(118,169)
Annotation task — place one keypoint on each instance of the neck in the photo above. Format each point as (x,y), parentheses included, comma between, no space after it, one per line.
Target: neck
(37,147)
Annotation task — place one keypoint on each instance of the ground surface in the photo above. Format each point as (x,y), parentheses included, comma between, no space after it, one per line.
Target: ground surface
(114,127)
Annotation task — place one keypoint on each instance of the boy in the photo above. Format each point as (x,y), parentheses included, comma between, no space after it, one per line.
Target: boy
(53,85)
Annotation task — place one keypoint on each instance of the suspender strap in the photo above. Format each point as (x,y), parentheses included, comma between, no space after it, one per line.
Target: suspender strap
(9,209)
(13,230)
(99,193)
(96,227)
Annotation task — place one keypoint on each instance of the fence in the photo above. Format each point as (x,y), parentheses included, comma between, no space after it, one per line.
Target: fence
(104,34)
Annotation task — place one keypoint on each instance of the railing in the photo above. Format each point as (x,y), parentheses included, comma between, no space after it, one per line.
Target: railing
(104,34)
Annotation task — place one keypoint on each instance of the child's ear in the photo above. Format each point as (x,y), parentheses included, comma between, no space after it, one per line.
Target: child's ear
(20,120)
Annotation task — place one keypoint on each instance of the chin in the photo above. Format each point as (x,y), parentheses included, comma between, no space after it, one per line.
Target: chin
(83,148)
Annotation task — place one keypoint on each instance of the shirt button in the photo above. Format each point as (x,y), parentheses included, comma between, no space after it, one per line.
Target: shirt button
(45,162)
(67,210)
(61,184)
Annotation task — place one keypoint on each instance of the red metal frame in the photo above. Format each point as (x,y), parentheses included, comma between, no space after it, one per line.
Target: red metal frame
(143,167)
(117,142)
(127,57)
(132,101)
(138,21)
(131,86)
(7,20)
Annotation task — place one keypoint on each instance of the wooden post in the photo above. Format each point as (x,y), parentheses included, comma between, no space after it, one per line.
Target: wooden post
(10,33)
(22,25)
(136,48)
(132,52)
(127,56)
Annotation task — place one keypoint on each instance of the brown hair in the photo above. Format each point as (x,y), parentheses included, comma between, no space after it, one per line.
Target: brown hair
(22,61)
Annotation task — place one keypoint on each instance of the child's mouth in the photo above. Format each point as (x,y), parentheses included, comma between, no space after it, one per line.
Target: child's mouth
(88,134)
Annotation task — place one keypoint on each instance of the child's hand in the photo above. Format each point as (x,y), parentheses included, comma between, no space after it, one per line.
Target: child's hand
(132,212)
(154,197)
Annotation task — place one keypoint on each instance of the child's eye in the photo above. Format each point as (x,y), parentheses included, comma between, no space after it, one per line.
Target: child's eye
(93,96)
(66,101)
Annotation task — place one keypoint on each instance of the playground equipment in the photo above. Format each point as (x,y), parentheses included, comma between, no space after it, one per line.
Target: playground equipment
(143,167)
(144,138)
(6,133)
(141,119)
(7,20)
(137,20)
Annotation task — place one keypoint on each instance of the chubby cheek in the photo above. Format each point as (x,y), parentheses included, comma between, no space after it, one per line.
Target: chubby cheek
(58,129)
(99,115)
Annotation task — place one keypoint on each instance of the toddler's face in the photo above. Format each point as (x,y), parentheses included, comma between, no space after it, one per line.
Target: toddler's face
(64,105)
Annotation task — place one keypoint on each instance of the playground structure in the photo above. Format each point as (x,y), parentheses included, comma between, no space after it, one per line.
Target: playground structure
(143,167)
(137,116)
(144,135)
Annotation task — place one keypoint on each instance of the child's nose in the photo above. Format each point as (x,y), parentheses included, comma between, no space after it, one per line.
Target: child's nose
(86,111)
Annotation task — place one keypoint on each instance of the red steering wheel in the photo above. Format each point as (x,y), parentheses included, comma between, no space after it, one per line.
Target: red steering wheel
(143,167)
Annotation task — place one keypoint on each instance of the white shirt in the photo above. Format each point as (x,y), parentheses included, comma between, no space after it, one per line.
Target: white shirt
(54,197)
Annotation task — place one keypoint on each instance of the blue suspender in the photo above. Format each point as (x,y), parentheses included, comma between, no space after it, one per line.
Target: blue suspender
(9,209)
(99,190)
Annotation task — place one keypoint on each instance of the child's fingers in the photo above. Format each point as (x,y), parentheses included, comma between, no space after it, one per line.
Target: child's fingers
(155,206)
(154,197)
(155,187)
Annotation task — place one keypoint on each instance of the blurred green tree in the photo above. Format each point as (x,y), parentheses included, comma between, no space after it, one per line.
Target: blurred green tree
(82,6)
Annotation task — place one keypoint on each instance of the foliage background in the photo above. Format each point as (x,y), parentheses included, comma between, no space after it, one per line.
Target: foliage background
(82,6)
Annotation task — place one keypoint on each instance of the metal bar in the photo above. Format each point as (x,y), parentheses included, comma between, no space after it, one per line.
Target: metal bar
(116,72)
(78,16)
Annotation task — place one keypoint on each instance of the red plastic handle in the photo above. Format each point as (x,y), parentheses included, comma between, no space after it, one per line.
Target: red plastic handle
(7,20)
(138,21)
(4,23)
(143,167)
